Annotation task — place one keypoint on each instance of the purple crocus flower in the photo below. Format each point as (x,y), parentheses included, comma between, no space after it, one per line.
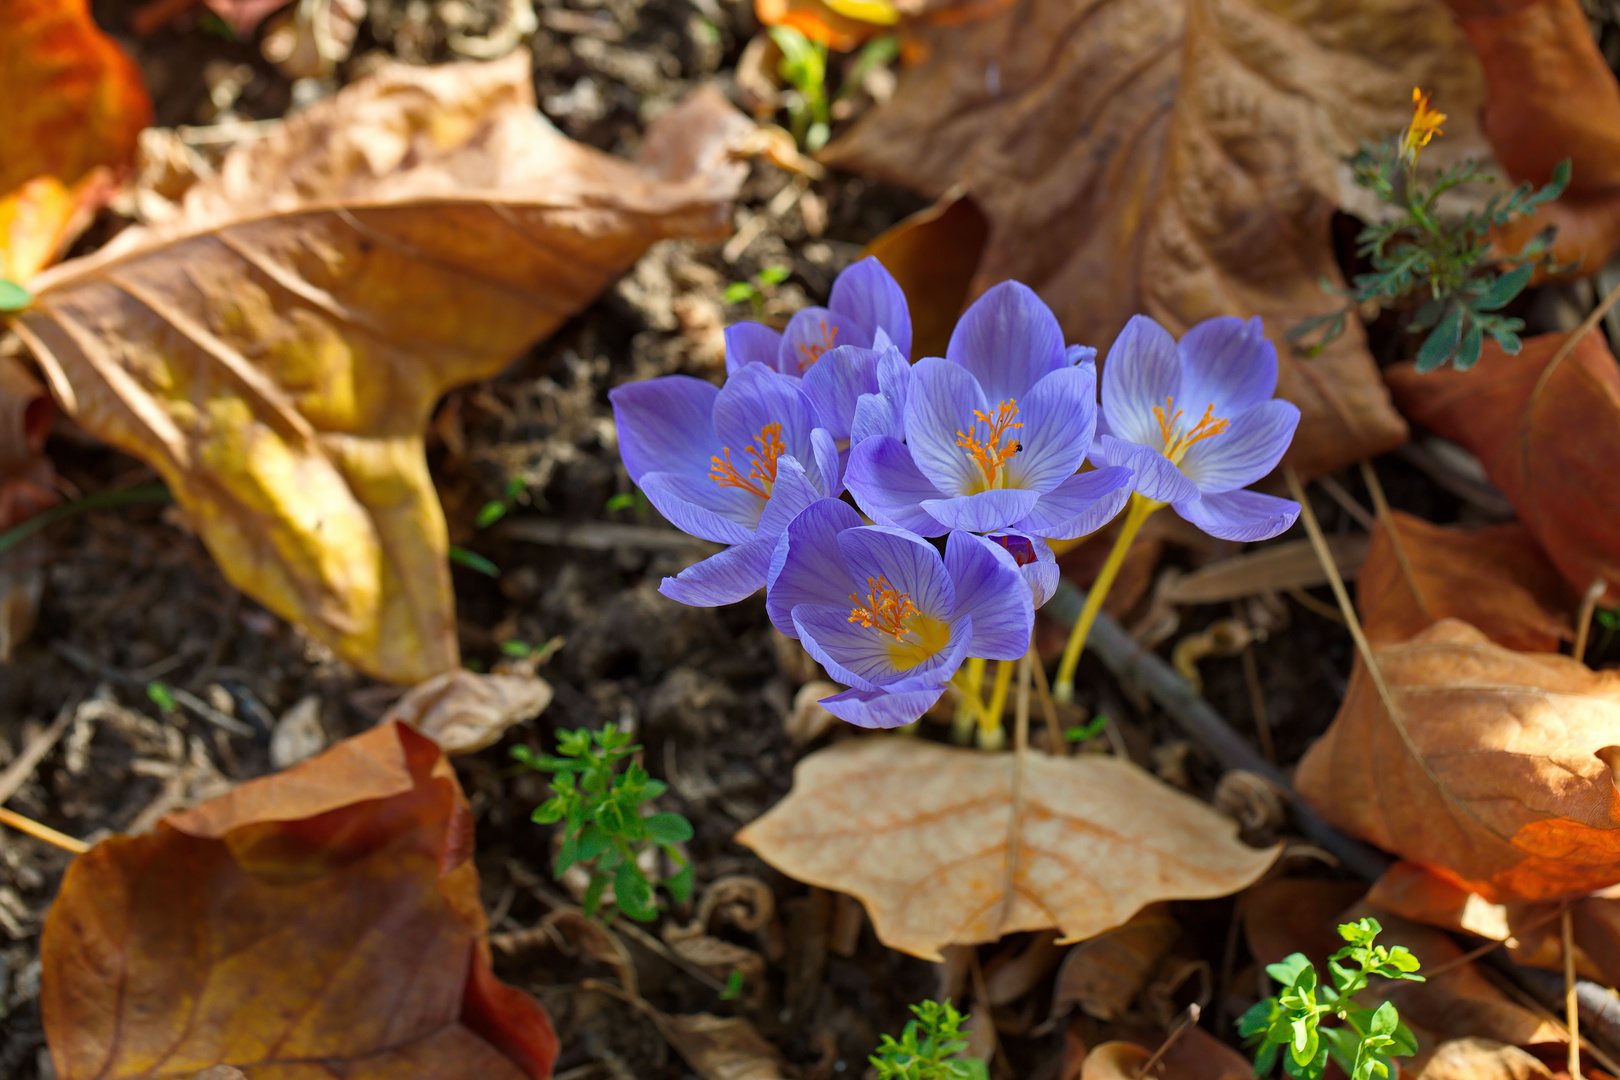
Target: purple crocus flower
(854,391)
(1196,422)
(867,309)
(887,616)
(994,433)
(732,465)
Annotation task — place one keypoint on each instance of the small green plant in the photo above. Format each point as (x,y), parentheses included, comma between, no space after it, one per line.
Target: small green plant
(473,561)
(158,691)
(1293,1018)
(495,509)
(604,826)
(925,1049)
(734,986)
(1416,254)
(1087,731)
(757,291)
(13,297)
(804,66)
(1609,619)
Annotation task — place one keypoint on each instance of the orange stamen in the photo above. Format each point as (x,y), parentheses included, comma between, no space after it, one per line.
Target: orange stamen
(812,353)
(990,454)
(763,469)
(1176,442)
(886,608)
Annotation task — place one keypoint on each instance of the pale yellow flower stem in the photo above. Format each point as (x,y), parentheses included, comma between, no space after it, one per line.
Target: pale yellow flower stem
(1136,514)
(991,734)
(969,682)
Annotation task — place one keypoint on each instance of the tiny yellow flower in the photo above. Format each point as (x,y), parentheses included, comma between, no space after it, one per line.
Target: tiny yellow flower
(1425,126)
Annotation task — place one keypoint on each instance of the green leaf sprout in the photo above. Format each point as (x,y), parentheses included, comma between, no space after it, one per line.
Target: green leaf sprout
(604,826)
(927,1047)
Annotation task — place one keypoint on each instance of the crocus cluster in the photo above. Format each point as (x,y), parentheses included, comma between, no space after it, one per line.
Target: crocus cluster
(986,447)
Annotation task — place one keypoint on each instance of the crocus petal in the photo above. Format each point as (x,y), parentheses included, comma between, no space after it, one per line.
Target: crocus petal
(868,294)
(889,487)
(986,511)
(874,416)
(893,377)
(699,506)
(1155,476)
(991,592)
(1009,340)
(751,343)
(1240,515)
(941,404)
(1227,362)
(665,425)
(817,626)
(1081,505)
(908,562)
(1142,372)
(725,578)
(755,397)
(1059,415)
(806,567)
(1037,563)
(829,462)
(1247,450)
(879,708)
(836,382)
(791,494)
(1081,354)
(813,331)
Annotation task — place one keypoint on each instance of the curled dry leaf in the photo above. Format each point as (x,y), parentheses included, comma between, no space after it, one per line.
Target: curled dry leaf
(721,1047)
(1496,579)
(1515,794)
(1196,1055)
(1104,974)
(1553,447)
(1482,1059)
(944,847)
(464,711)
(27,486)
(1181,158)
(274,351)
(320,921)
(933,254)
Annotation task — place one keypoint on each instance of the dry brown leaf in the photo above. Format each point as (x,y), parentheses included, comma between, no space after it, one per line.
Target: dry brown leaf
(721,1047)
(316,922)
(27,486)
(1515,798)
(926,836)
(1496,579)
(1289,915)
(1292,564)
(1181,158)
(1481,1059)
(464,711)
(1529,931)
(1196,1055)
(1104,974)
(933,254)
(1552,449)
(275,351)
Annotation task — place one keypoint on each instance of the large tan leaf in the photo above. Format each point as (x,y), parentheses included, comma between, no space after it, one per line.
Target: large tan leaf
(274,352)
(1180,158)
(1515,797)
(934,841)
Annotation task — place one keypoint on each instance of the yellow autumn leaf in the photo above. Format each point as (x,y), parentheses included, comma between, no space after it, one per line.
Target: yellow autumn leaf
(955,847)
(275,351)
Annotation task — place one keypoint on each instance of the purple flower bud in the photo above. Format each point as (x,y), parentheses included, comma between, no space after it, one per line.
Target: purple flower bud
(732,465)
(866,301)
(886,615)
(1036,562)
(1196,421)
(994,433)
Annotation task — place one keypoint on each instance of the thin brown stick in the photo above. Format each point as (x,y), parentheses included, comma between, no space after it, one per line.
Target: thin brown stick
(1015,820)
(1583,622)
(1346,501)
(1380,504)
(1315,606)
(21,769)
(1257,696)
(1187,1021)
(1043,694)
(42,832)
(1572,1012)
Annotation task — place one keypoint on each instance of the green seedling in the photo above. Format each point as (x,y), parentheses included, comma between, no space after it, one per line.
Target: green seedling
(474,561)
(495,509)
(927,1047)
(804,66)
(757,291)
(1292,1019)
(160,695)
(13,297)
(1087,731)
(604,825)
(734,986)
(1440,271)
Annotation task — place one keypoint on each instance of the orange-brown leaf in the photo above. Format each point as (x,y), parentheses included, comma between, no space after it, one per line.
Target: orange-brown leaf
(942,851)
(73,100)
(1181,158)
(274,352)
(1553,449)
(320,921)
(1517,801)
(1495,578)
(933,254)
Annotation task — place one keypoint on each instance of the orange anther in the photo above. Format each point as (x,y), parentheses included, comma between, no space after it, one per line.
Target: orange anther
(763,469)
(990,454)
(812,353)
(1176,442)
(886,608)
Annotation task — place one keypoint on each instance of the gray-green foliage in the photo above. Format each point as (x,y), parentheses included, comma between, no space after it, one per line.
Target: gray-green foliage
(1292,1019)
(925,1048)
(1444,268)
(604,825)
